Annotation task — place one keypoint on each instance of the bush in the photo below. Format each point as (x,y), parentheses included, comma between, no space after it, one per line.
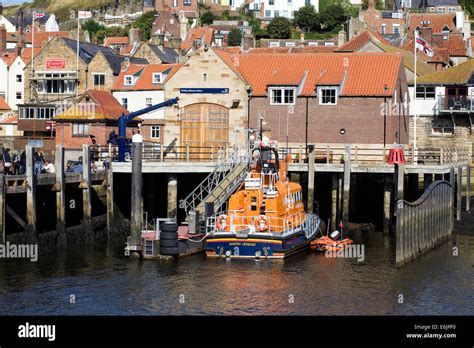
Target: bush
(234,38)
(144,23)
(279,28)
(306,18)
(207,18)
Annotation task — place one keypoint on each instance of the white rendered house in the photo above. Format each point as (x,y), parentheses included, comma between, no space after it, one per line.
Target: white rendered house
(269,9)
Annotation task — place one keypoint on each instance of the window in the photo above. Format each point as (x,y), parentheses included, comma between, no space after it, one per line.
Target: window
(271,2)
(396,29)
(328,96)
(268,13)
(442,9)
(282,96)
(384,28)
(274,44)
(18,95)
(128,80)
(204,77)
(425,92)
(290,2)
(56,83)
(446,30)
(80,129)
(285,13)
(156,78)
(187,2)
(452,9)
(443,126)
(155,132)
(19,78)
(307,2)
(99,80)
(175,3)
(148,102)
(276,13)
(289,44)
(125,103)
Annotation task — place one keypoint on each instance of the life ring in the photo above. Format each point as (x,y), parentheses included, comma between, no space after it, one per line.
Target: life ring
(261,223)
(222,222)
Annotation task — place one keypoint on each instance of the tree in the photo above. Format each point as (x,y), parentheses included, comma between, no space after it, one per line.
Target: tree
(144,23)
(93,27)
(207,18)
(379,4)
(279,28)
(234,38)
(468,6)
(332,17)
(306,18)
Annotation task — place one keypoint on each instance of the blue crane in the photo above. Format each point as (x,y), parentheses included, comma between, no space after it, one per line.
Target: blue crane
(125,119)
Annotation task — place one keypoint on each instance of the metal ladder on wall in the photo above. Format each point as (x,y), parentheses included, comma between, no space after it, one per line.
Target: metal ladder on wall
(218,185)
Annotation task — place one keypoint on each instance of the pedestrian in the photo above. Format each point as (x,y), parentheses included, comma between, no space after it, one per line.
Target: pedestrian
(22,162)
(48,167)
(7,162)
(16,163)
(39,160)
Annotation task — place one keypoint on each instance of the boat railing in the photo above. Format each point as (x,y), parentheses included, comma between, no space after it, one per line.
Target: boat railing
(258,180)
(235,222)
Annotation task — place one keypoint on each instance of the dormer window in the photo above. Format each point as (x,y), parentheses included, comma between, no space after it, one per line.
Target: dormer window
(156,78)
(282,95)
(327,96)
(446,30)
(128,80)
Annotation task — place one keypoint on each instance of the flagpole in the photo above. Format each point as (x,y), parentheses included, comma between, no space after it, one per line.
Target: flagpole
(415,105)
(77,55)
(33,45)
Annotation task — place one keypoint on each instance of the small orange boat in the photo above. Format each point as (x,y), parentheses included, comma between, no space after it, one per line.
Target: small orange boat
(331,243)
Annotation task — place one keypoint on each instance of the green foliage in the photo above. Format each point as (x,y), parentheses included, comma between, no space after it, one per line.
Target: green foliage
(312,35)
(279,28)
(331,17)
(379,4)
(144,23)
(207,18)
(306,18)
(468,6)
(234,38)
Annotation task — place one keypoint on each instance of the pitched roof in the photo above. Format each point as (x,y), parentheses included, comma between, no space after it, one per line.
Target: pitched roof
(437,21)
(305,49)
(367,74)
(13,119)
(4,105)
(42,37)
(167,55)
(455,45)
(429,3)
(360,40)
(106,107)
(144,81)
(9,59)
(27,52)
(457,75)
(204,35)
(88,51)
(116,40)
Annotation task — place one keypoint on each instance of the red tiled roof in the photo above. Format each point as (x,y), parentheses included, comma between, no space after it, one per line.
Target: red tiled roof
(305,49)
(116,40)
(13,119)
(3,104)
(42,37)
(205,34)
(26,53)
(367,74)
(106,104)
(144,81)
(437,21)
(8,59)
(360,40)
(455,45)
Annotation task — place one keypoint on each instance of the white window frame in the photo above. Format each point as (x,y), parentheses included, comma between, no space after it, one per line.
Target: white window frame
(19,95)
(282,89)
(289,44)
(154,75)
(80,129)
(396,26)
(93,79)
(153,130)
(125,103)
(274,44)
(148,102)
(320,95)
(126,81)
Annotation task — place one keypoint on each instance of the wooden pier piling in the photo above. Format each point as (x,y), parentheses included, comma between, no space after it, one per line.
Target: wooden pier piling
(459,193)
(172,205)
(110,201)
(347,185)
(2,209)
(137,181)
(60,188)
(334,200)
(30,189)
(387,202)
(468,187)
(311,178)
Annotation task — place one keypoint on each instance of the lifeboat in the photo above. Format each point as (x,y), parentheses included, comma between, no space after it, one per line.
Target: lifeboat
(266,216)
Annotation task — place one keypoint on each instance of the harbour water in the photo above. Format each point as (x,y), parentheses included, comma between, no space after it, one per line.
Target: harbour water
(104,282)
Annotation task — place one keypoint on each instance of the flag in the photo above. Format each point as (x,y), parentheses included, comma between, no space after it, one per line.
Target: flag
(422,45)
(84,14)
(38,15)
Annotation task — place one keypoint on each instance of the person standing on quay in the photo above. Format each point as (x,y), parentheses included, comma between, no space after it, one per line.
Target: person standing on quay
(39,160)
(7,162)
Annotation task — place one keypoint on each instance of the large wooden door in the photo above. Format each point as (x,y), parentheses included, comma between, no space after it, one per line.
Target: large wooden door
(204,127)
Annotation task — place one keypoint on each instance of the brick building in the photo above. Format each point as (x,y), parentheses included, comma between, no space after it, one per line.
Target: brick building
(330,98)
(93,117)
(389,23)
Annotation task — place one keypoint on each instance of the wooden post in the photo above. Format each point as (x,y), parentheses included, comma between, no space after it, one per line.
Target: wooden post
(172,208)
(187,152)
(2,209)
(468,188)
(136,205)
(347,185)
(452,181)
(86,179)
(459,194)
(334,196)
(387,201)
(311,178)
(30,189)
(110,201)
(400,181)
(60,197)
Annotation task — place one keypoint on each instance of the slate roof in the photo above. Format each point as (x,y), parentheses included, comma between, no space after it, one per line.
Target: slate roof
(429,3)
(167,55)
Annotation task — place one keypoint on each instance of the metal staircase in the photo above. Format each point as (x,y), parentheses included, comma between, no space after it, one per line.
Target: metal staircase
(218,185)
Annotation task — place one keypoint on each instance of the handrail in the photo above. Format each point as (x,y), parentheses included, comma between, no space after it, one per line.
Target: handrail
(428,192)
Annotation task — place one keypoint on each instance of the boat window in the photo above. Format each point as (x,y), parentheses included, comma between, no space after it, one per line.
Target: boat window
(254,199)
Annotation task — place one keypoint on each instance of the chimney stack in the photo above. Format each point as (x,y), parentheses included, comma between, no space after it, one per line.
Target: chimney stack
(134,35)
(3,40)
(183,27)
(341,37)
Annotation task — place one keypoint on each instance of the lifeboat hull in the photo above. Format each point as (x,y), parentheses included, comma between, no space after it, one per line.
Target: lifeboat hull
(255,246)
